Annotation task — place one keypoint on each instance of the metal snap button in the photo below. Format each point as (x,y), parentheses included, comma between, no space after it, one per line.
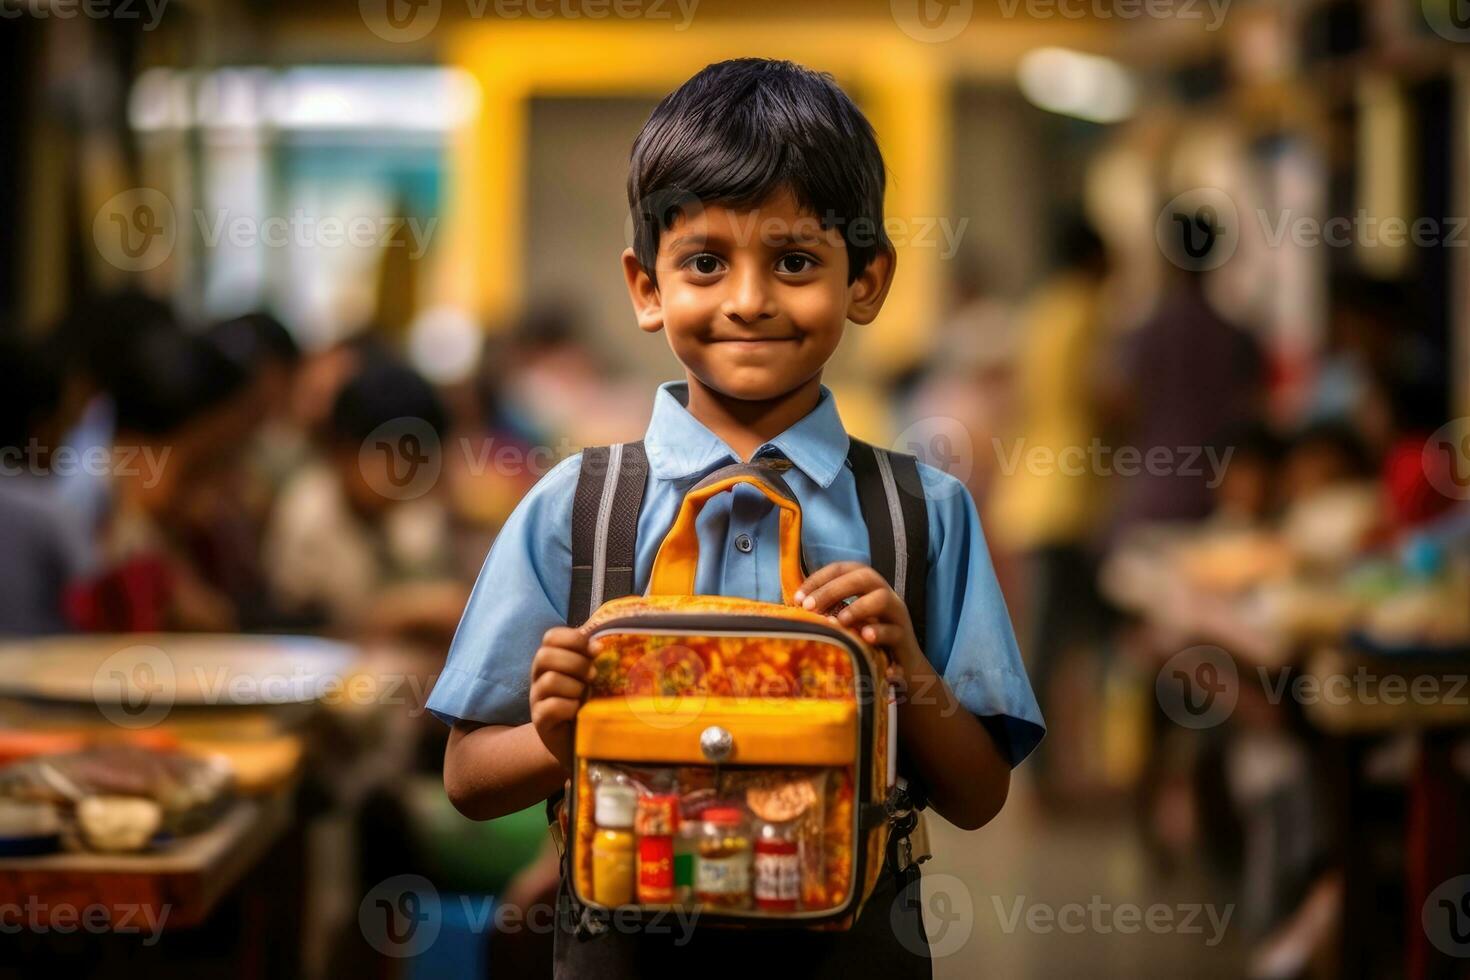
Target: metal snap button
(716,743)
(743,544)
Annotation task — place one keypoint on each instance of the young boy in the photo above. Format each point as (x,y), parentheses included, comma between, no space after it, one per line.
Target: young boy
(771,244)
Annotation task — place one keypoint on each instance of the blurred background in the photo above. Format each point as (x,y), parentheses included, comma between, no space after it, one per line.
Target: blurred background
(299,299)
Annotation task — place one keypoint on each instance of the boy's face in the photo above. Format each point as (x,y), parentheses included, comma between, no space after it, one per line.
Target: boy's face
(754,302)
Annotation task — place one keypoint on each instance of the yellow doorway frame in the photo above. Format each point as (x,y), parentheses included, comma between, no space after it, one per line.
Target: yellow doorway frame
(903,85)
(903,88)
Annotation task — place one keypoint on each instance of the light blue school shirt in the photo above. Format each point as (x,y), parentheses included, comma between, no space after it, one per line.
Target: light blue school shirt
(523,587)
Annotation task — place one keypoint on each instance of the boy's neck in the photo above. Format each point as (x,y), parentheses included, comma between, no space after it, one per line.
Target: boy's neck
(744,425)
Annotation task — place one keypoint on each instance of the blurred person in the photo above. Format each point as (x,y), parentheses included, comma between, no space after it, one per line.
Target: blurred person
(556,388)
(265,349)
(1248,493)
(1049,513)
(1180,380)
(1322,456)
(222,516)
(94,340)
(180,412)
(970,377)
(357,541)
(44,548)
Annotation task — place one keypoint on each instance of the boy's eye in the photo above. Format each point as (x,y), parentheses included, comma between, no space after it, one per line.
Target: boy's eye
(704,264)
(795,263)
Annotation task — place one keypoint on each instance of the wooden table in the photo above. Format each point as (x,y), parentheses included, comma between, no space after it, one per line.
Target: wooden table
(178,885)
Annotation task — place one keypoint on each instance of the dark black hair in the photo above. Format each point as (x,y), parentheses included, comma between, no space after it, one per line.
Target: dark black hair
(379,392)
(1253,439)
(165,378)
(1340,438)
(33,387)
(1078,245)
(254,340)
(741,130)
(99,333)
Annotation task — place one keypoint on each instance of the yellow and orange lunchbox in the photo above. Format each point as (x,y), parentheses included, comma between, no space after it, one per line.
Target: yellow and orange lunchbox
(732,756)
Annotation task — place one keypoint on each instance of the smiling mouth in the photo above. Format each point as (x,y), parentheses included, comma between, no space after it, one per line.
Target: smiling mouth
(754,340)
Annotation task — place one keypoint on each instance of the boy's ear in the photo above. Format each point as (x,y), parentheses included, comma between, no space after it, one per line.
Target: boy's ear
(870,288)
(648,306)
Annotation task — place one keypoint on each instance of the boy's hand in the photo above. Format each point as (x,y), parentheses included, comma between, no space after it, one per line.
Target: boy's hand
(878,614)
(560,672)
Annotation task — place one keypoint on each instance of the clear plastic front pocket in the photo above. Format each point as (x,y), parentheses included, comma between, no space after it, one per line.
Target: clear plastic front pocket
(751,841)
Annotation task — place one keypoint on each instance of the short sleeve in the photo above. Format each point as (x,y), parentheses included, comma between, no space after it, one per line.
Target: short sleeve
(970,639)
(521,593)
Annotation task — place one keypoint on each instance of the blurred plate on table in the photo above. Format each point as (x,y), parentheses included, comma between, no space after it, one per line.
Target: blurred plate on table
(175,669)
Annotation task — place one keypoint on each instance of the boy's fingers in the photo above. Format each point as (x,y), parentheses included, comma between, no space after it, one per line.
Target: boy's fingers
(555,685)
(883,634)
(881,604)
(564,637)
(561,661)
(858,581)
(822,576)
(555,710)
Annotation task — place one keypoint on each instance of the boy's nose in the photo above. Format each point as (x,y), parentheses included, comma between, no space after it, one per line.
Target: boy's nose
(749,298)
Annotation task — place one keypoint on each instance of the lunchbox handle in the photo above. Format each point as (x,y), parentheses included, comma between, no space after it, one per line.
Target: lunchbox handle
(677,560)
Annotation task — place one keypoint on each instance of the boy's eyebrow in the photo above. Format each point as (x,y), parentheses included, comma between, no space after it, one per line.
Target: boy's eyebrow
(765,236)
(679,241)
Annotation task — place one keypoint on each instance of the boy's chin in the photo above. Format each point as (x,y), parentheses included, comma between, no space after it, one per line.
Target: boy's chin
(742,386)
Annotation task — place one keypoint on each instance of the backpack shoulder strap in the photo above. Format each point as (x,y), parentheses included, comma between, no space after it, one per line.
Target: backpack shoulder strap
(605,513)
(891,497)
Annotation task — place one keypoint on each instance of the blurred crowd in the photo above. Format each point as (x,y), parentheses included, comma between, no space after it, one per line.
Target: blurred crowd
(1125,465)
(161,474)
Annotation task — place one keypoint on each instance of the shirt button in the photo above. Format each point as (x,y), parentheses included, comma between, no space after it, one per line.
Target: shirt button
(743,544)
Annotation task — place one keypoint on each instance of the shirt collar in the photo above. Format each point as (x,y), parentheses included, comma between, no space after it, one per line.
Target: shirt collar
(679,446)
